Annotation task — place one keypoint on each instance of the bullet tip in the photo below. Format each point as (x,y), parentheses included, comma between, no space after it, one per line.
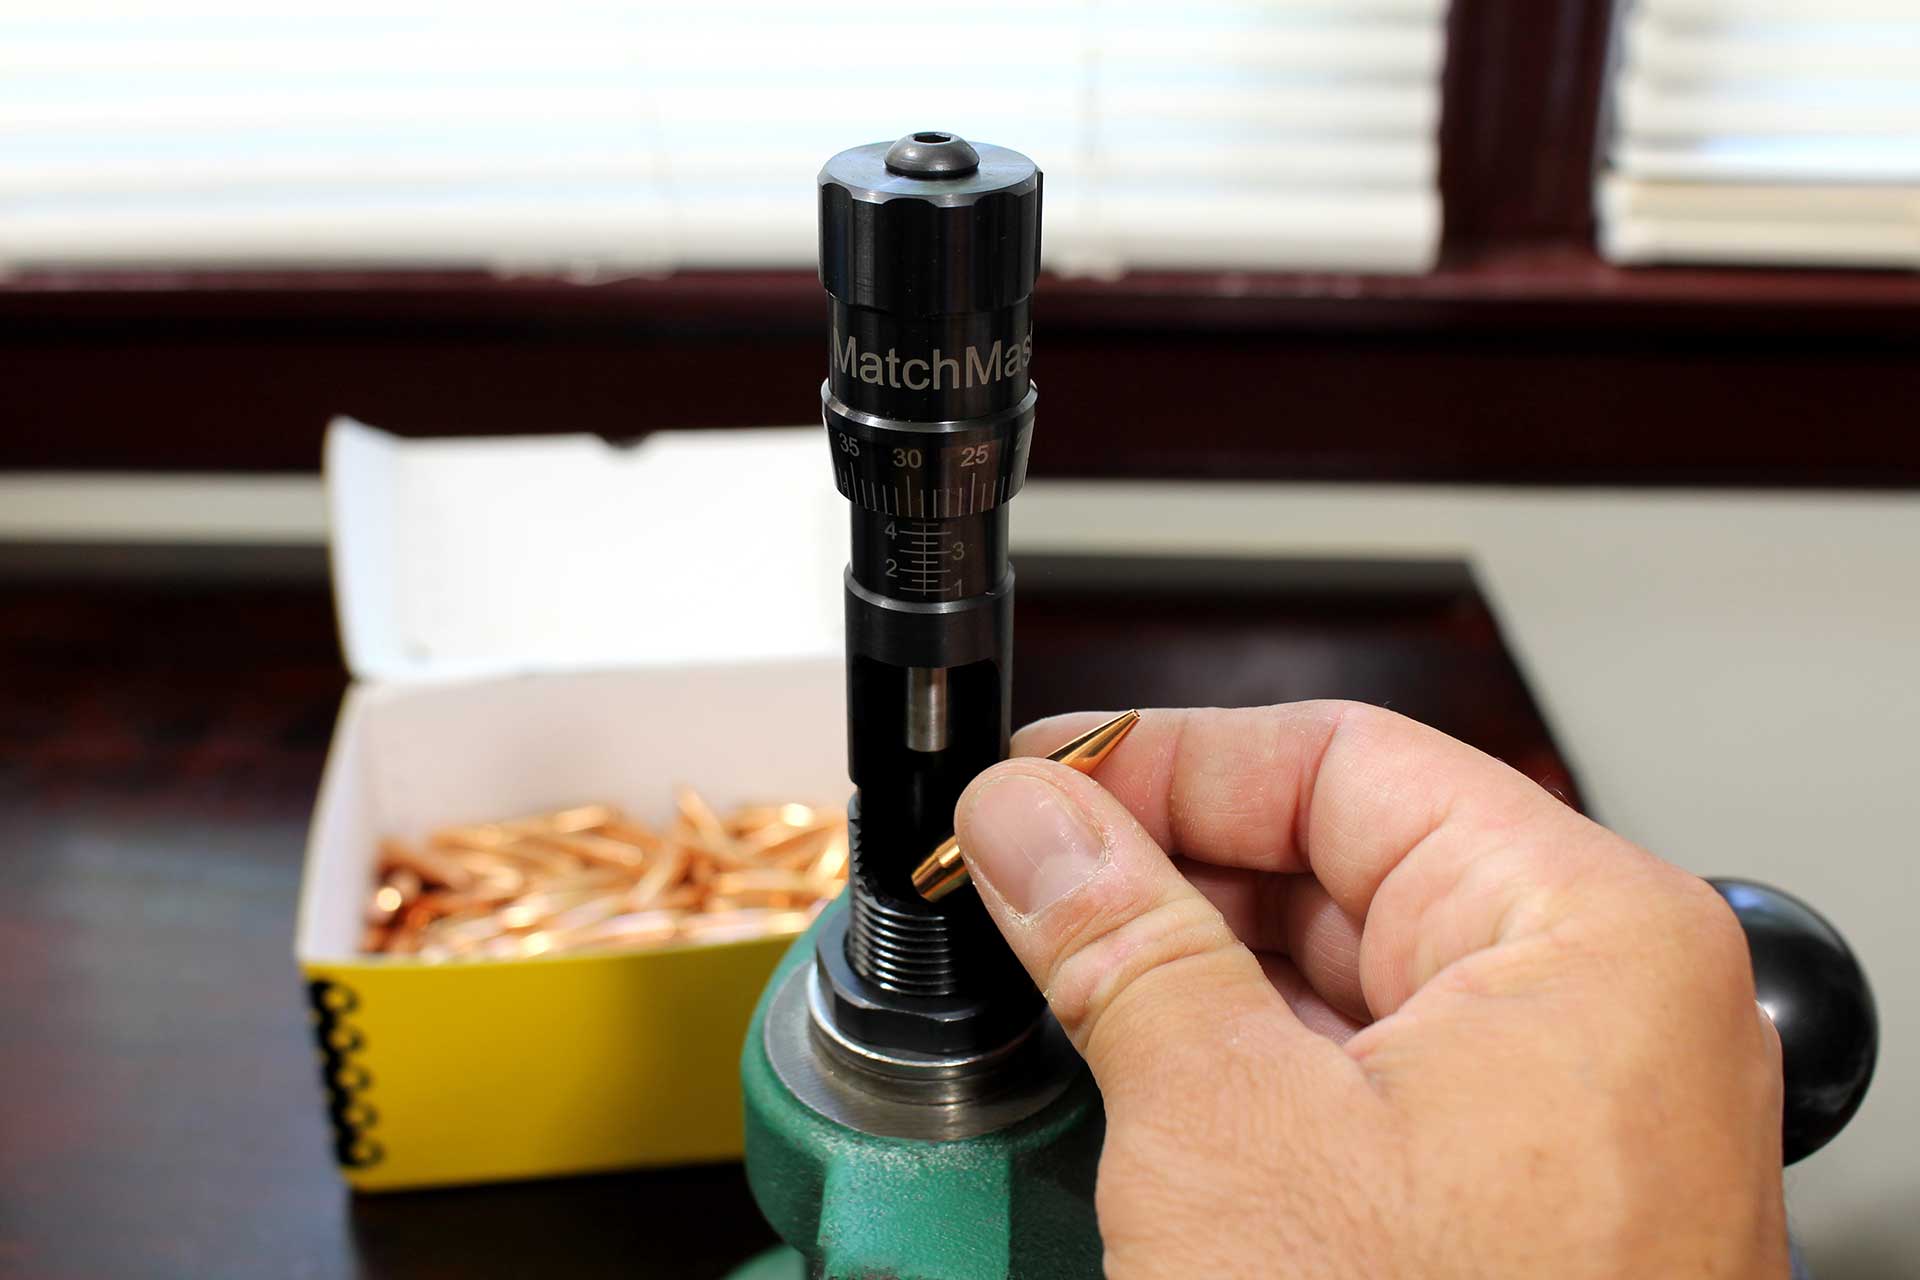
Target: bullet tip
(943,871)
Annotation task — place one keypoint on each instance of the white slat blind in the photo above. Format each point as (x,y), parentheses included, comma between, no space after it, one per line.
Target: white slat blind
(605,138)
(1765,131)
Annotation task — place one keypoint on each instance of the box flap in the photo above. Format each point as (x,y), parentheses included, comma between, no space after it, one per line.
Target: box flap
(466,557)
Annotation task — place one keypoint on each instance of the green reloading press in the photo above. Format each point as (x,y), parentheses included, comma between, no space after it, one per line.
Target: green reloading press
(912,1111)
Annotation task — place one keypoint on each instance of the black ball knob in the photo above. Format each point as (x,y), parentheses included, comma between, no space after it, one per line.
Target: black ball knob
(1807,979)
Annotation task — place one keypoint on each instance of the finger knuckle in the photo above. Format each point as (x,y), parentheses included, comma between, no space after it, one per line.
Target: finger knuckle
(1717,945)
(1107,966)
(1240,769)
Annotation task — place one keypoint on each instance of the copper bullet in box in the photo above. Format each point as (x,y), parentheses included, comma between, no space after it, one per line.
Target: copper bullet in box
(590,878)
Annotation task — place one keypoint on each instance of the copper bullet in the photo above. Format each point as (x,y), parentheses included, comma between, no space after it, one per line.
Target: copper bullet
(666,872)
(736,925)
(700,816)
(688,897)
(632,929)
(587,817)
(642,838)
(590,878)
(832,863)
(476,837)
(799,850)
(429,865)
(944,871)
(398,888)
(491,877)
(595,849)
(531,910)
(562,925)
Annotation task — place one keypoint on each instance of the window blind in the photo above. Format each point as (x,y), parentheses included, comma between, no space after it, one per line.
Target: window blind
(1765,131)
(613,138)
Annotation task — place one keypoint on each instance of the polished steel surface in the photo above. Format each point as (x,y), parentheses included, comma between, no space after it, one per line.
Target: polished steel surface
(928,728)
(957,1098)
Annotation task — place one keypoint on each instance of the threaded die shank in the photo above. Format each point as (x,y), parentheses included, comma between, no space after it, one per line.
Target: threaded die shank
(908,951)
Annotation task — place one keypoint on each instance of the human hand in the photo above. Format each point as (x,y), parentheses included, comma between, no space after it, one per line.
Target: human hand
(1390,1010)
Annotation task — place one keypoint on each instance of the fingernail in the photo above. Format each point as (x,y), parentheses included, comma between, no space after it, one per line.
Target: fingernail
(1030,842)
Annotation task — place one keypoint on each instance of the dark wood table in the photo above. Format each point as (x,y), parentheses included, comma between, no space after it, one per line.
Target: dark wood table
(160,744)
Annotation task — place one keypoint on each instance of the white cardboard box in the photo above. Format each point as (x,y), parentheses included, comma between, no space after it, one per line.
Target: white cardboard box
(535,624)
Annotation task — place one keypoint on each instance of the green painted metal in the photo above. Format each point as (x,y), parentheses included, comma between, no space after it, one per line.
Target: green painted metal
(780,1263)
(1016,1204)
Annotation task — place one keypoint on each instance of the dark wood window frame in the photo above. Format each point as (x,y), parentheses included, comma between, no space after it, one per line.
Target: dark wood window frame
(1523,358)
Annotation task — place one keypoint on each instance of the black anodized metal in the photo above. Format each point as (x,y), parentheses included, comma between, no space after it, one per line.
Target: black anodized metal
(929,250)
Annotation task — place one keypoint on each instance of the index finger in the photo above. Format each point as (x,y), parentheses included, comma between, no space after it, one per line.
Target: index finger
(1355,795)
(1340,789)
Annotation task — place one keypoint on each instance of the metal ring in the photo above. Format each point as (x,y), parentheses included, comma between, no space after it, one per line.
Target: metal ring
(1028,1081)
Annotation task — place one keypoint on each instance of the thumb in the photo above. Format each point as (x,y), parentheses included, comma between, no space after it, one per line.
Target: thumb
(1139,968)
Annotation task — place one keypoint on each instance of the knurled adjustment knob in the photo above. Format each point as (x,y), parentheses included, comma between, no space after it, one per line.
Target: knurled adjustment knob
(929,225)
